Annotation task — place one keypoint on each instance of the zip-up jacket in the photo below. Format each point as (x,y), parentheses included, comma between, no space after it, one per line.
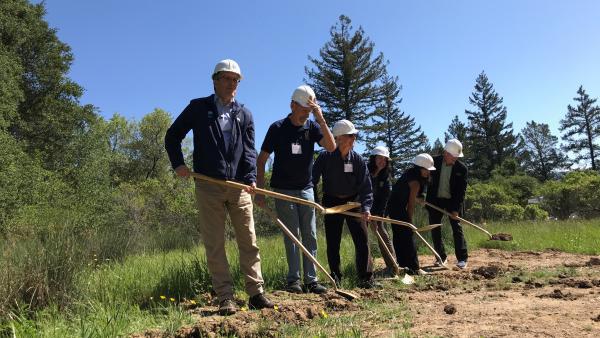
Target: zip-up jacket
(211,157)
(382,188)
(458,183)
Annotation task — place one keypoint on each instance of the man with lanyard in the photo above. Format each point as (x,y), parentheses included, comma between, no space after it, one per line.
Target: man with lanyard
(292,139)
(346,179)
(447,190)
(223,149)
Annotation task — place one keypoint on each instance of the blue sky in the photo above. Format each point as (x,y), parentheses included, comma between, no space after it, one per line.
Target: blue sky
(134,56)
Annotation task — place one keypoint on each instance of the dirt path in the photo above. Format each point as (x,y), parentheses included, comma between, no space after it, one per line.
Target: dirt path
(501,294)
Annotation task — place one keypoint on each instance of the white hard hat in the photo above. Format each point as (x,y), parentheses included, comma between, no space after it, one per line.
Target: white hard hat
(302,95)
(343,127)
(381,150)
(454,148)
(227,65)
(424,161)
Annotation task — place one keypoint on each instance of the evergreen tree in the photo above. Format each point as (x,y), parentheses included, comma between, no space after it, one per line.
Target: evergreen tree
(395,129)
(346,77)
(489,137)
(581,128)
(542,155)
(457,129)
(438,147)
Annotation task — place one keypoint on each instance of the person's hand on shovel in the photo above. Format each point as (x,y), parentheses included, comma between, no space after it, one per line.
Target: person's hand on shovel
(454,215)
(183,171)
(251,188)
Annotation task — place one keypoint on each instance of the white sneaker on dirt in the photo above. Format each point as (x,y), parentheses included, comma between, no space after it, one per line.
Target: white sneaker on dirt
(461,264)
(440,264)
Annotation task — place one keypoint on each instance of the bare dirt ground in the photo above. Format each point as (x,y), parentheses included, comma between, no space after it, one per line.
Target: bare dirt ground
(500,294)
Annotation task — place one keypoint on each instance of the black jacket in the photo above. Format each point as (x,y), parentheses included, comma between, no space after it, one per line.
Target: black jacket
(458,183)
(210,157)
(382,188)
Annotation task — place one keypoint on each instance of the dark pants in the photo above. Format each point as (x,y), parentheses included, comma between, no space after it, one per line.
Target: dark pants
(435,217)
(404,243)
(334,224)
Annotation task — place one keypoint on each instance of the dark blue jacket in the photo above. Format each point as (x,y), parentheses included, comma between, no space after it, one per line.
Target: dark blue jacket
(338,183)
(210,156)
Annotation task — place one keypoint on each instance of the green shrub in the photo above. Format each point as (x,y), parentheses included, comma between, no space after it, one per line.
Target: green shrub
(577,193)
(534,212)
(507,212)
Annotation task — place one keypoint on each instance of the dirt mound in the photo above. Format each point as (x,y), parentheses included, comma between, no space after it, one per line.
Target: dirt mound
(577,283)
(450,309)
(593,261)
(489,272)
(502,237)
(557,294)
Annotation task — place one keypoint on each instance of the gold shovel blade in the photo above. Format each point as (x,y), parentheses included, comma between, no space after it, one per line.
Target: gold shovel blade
(341,208)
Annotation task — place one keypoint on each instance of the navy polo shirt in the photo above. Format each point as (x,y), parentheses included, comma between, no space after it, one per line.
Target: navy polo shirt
(294,147)
(339,182)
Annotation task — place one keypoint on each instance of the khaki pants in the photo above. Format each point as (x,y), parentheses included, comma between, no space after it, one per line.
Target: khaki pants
(213,201)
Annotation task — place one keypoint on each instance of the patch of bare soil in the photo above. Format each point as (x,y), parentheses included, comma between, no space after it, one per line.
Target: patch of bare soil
(498,295)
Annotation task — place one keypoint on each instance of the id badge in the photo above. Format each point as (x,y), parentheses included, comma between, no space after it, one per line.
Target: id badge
(347,167)
(296,149)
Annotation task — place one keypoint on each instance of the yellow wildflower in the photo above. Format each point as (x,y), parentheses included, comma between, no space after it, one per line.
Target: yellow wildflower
(163,297)
(324,314)
(193,302)
(172,299)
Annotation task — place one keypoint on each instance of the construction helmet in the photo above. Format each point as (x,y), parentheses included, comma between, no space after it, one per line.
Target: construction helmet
(343,127)
(382,151)
(302,95)
(454,148)
(227,65)
(424,161)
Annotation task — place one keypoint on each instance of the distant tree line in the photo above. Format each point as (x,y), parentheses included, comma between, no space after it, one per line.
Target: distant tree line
(353,83)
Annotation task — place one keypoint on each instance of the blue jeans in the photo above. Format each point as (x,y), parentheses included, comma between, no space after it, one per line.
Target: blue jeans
(301,221)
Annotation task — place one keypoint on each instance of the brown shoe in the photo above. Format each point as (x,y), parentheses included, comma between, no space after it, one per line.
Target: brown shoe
(259,301)
(227,307)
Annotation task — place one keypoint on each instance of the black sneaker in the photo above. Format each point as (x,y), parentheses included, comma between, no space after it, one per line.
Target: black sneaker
(259,301)
(227,307)
(315,287)
(293,287)
(370,284)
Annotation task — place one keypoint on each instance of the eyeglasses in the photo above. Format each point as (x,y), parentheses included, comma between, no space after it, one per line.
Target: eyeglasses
(230,79)
(351,135)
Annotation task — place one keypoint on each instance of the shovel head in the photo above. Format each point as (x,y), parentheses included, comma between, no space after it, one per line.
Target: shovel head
(408,279)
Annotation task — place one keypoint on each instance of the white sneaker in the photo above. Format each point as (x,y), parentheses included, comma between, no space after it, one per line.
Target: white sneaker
(440,264)
(462,264)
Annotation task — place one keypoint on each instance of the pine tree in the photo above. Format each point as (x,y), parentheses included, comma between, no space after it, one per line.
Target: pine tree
(581,127)
(395,129)
(438,148)
(346,77)
(542,155)
(457,129)
(489,137)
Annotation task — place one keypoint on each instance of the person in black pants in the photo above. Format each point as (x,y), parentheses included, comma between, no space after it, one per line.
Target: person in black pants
(345,179)
(401,206)
(380,171)
(447,191)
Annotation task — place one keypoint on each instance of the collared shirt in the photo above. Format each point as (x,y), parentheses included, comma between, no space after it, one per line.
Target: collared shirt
(344,177)
(444,187)
(224,118)
(294,148)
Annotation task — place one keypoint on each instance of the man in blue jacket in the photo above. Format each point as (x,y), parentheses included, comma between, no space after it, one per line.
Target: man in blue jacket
(223,149)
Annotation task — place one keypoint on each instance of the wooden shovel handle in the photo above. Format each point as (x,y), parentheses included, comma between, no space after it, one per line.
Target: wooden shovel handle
(381,219)
(387,251)
(459,218)
(259,191)
(299,244)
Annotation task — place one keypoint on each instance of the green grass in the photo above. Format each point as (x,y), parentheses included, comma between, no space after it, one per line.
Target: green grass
(116,298)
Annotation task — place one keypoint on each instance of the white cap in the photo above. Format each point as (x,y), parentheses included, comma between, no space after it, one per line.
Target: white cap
(302,95)
(424,161)
(227,65)
(454,148)
(343,127)
(381,150)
